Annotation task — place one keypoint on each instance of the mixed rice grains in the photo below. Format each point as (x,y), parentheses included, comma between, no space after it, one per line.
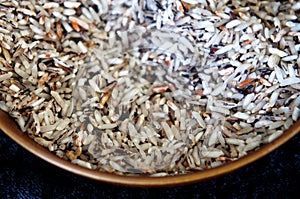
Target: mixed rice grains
(158,87)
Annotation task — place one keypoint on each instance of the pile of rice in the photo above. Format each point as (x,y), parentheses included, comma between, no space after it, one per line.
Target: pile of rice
(157,87)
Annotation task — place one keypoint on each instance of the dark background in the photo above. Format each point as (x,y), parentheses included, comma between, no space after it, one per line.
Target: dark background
(22,175)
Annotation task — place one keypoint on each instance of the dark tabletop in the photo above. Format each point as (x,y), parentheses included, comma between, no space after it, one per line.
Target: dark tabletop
(22,175)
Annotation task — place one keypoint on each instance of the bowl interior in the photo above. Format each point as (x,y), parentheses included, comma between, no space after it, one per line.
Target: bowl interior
(8,125)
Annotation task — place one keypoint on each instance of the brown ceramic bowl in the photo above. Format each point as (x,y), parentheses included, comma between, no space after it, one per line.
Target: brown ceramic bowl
(12,130)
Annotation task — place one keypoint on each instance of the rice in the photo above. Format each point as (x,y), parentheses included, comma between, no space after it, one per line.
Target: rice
(150,87)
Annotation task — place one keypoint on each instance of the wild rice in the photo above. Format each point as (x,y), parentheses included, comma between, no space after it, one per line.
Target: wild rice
(151,87)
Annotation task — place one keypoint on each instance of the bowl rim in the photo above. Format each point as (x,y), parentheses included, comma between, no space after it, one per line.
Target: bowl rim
(10,128)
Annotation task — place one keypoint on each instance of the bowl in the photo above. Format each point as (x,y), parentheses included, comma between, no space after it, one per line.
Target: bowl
(10,128)
(171,62)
